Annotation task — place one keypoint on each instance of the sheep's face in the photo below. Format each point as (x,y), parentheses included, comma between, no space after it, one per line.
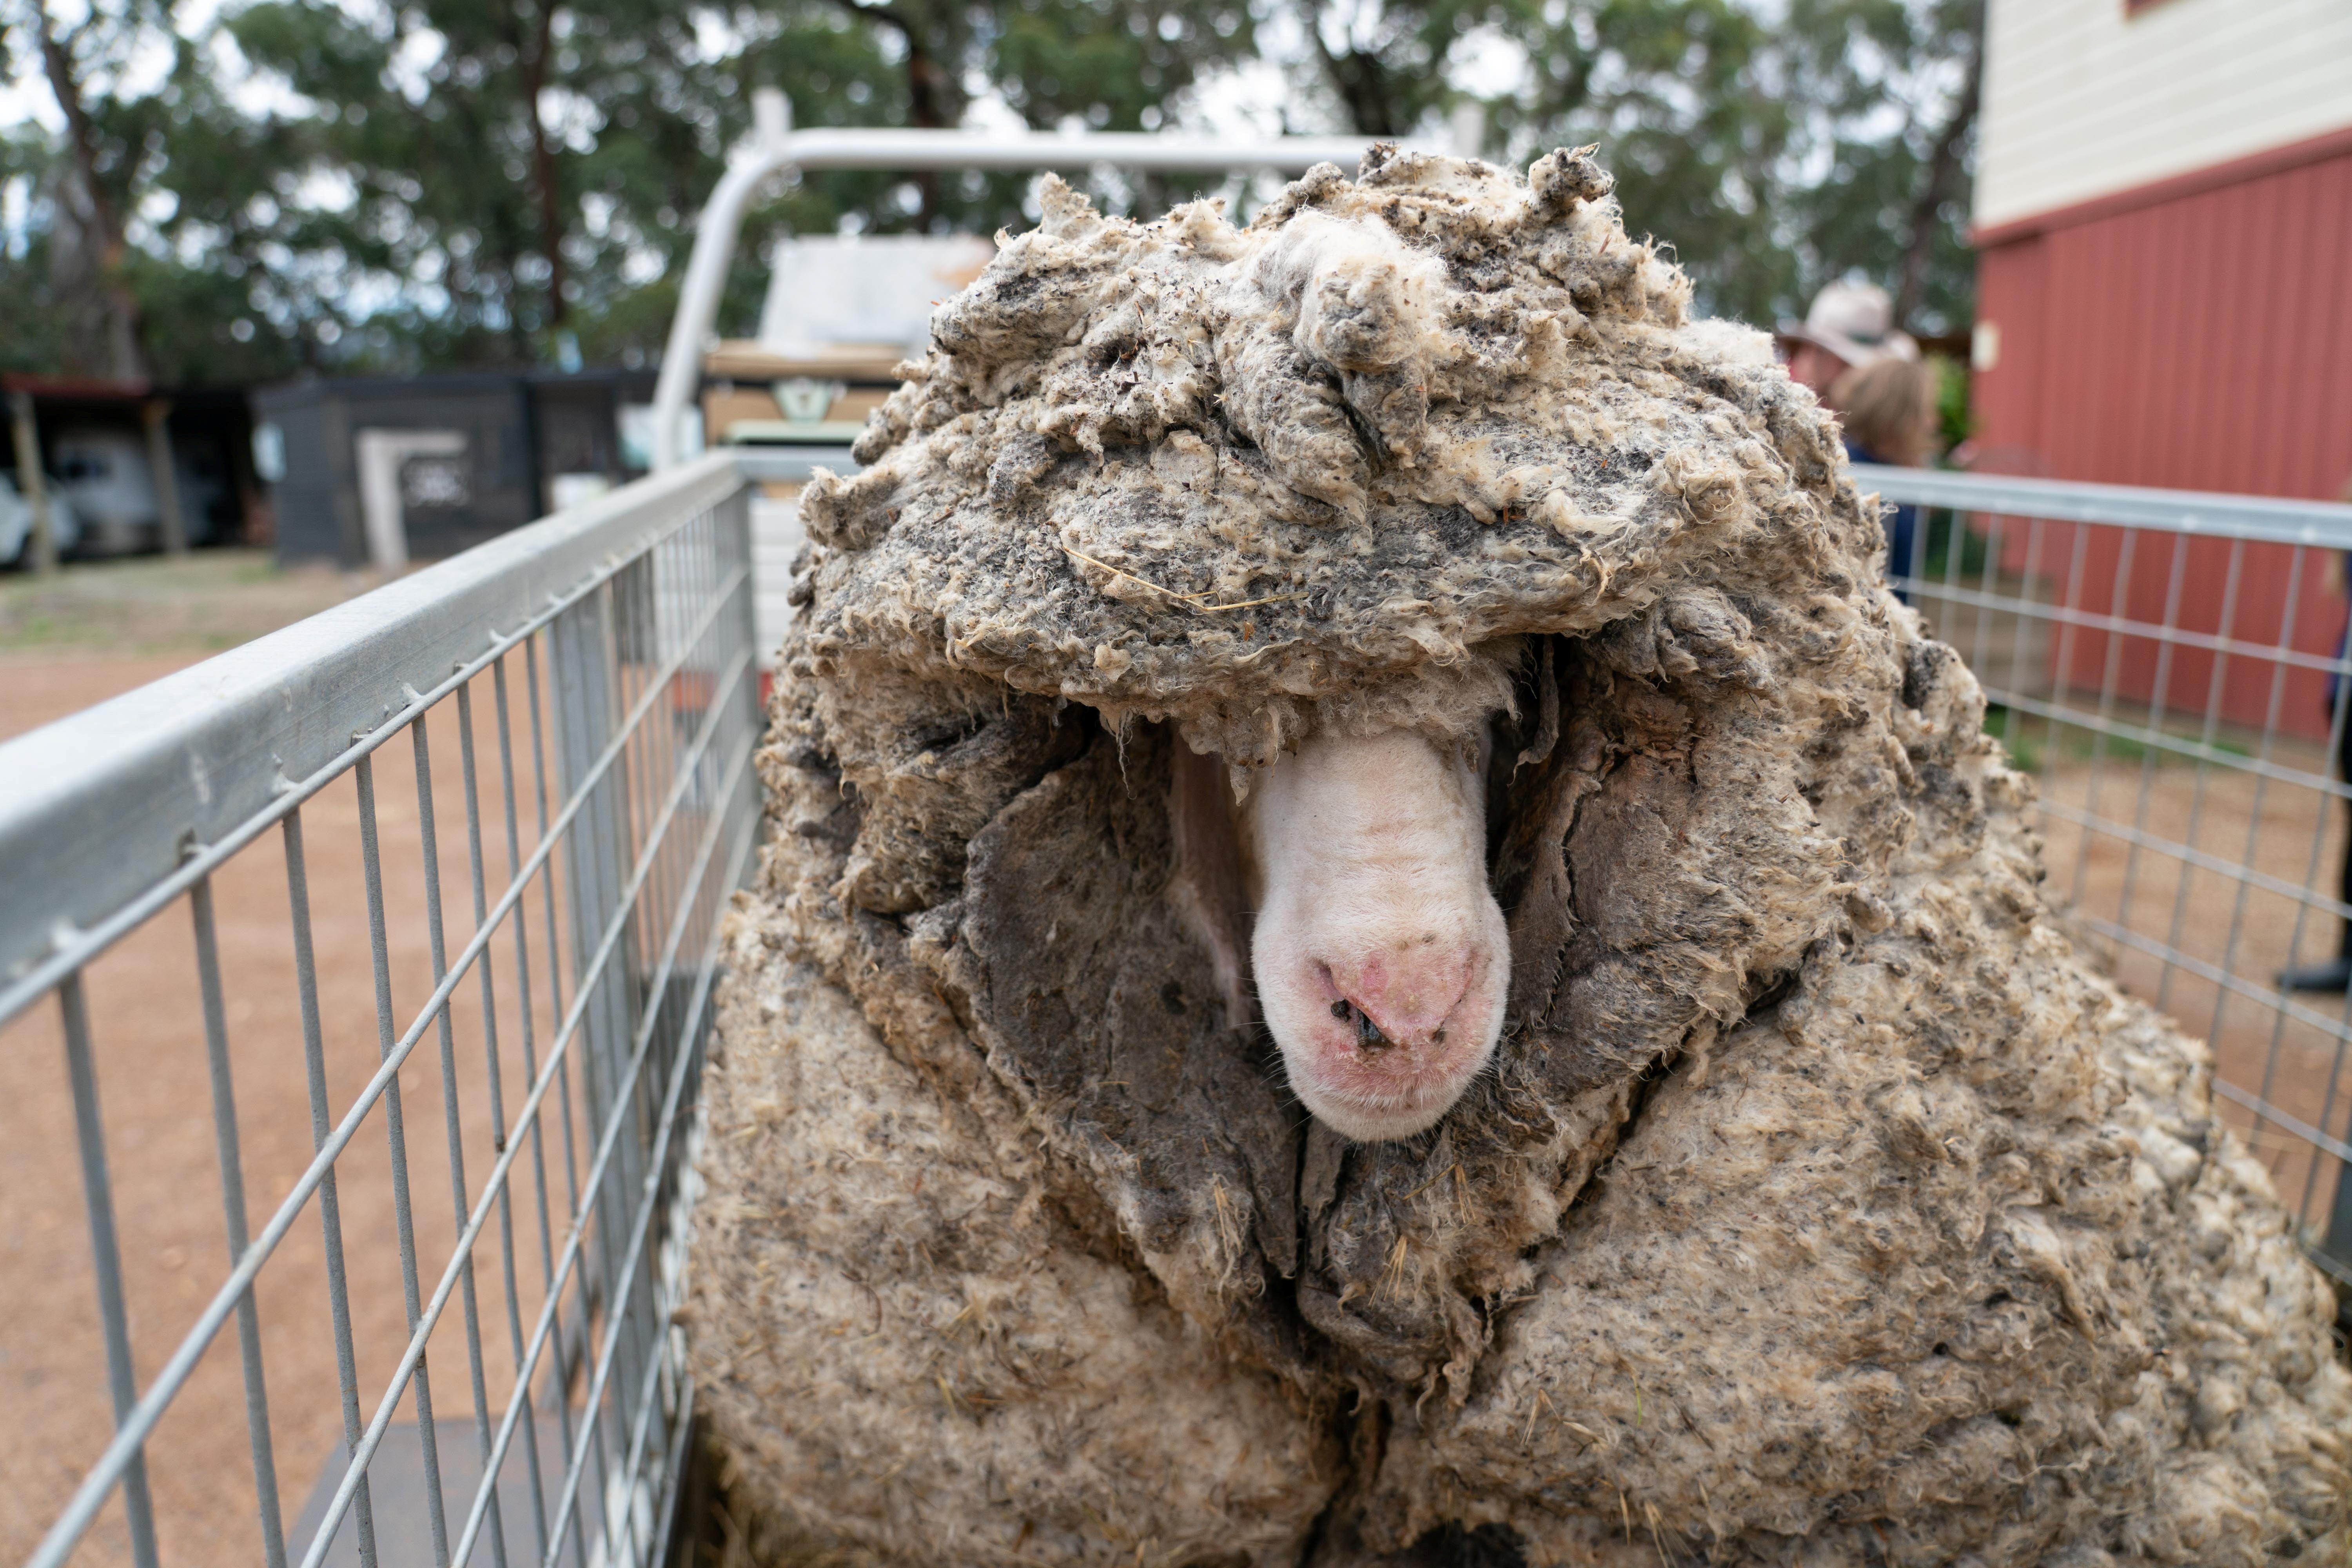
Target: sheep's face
(1380,957)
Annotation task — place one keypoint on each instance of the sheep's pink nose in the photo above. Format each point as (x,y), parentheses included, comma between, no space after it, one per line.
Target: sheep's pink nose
(1402,998)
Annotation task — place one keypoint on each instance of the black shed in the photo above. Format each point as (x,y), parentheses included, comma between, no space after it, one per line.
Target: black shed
(385,470)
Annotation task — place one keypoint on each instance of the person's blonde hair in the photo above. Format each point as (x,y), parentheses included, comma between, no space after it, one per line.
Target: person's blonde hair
(1888,408)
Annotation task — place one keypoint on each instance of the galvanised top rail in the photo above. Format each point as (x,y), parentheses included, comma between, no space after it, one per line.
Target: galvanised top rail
(100,809)
(2262,518)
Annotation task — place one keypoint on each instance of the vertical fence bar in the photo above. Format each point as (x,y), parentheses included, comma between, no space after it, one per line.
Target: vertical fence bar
(2023,662)
(106,1258)
(593,851)
(2254,818)
(2110,676)
(638,649)
(565,1362)
(2157,707)
(461,1199)
(491,1068)
(330,1223)
(396,1137)
(2336,705)
(530,1076)
(232,1177)
(2215,684)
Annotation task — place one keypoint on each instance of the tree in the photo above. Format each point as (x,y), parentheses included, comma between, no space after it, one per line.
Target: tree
(613,117)
(1778,153)
(1891,89)
(89,260)
(464,182)
(1387,64)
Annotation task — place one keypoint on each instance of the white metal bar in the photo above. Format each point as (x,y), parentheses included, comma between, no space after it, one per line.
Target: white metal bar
(128,1448)
(764,156)
(314,1060)
(228,1147)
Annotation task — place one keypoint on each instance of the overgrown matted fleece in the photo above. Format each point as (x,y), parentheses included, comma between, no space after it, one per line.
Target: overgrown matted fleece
(1823,1208)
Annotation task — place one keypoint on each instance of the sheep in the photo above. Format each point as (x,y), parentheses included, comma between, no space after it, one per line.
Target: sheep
(1815,1203)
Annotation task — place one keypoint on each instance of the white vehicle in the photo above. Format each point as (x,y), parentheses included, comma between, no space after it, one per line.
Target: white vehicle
(104,474)
(17,523)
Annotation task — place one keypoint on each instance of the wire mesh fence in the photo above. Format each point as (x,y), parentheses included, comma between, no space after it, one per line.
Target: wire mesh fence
(2171,668)
(356,984)
(355,991)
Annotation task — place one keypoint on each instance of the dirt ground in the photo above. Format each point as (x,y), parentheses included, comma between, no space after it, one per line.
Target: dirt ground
(202,602)
(98,629)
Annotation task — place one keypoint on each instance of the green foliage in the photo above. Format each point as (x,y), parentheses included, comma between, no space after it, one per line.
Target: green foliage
(1955,419)
(1778,155)
(1949,555)
(321,183)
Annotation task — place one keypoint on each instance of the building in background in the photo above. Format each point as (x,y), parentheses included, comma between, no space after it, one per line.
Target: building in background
(383,470)
(99,444)
(2164,224)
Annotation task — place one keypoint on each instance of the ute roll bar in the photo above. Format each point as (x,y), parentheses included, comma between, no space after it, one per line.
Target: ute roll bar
(775,146)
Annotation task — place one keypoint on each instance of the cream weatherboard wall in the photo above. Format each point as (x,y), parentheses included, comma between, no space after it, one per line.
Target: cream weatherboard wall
(2084,102)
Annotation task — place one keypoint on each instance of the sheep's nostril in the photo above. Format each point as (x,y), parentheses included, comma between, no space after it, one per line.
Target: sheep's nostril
(1367,1034)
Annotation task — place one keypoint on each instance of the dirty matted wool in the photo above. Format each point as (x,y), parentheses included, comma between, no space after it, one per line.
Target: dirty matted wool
(1821,1206)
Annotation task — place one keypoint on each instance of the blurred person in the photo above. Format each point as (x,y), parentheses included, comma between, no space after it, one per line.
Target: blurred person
(1849,326)
(2335,973)
(1887,411)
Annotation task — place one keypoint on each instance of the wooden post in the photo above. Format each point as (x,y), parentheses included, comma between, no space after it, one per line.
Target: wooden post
(32,482)
(156,411)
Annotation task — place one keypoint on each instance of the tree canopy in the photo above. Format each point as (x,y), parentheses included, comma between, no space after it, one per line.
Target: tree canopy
(362,184)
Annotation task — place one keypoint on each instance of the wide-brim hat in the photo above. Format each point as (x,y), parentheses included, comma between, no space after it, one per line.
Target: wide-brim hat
(1854,321)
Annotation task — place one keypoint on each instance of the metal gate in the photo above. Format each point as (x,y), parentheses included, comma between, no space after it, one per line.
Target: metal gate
(2171,668)
(430,885)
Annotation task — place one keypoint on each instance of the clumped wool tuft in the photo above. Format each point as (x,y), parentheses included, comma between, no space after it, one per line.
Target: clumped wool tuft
(1822,1207)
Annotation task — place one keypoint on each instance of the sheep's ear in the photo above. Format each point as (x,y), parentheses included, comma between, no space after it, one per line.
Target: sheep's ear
(1208,882)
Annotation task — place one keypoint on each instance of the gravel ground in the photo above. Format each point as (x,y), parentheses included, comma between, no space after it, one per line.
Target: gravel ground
(98,629)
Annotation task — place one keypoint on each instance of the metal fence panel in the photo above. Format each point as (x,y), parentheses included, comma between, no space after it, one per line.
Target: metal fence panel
(452,859)
(2171,668)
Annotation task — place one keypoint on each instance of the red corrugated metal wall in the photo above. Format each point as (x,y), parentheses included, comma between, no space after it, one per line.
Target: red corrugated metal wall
(2202,341)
